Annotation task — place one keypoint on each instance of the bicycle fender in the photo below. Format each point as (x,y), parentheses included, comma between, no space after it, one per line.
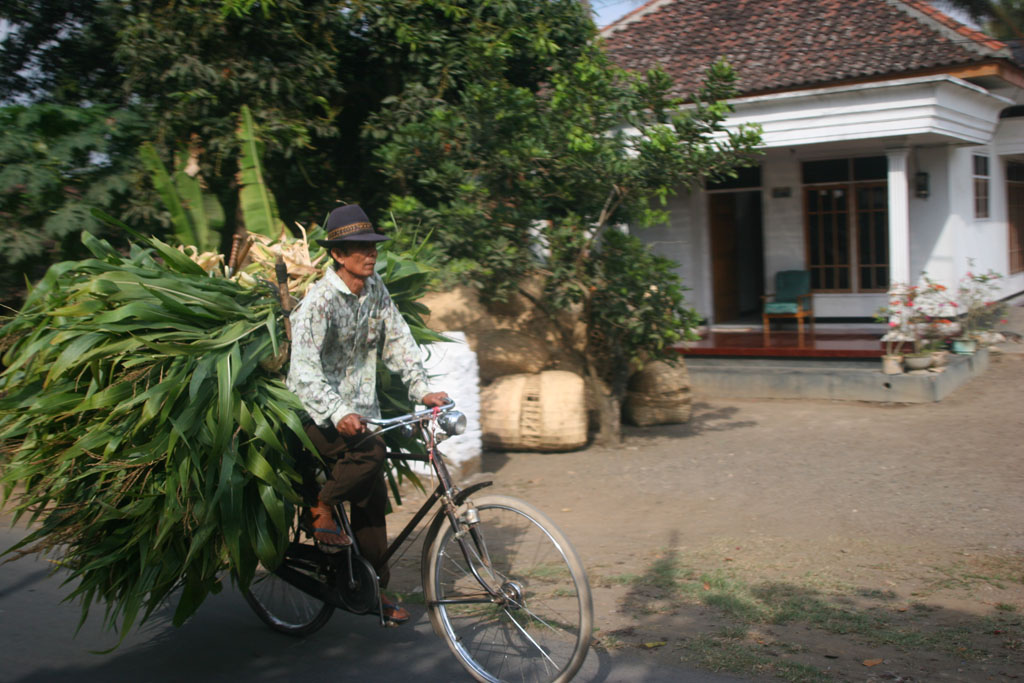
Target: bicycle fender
(439,519)
(465,493)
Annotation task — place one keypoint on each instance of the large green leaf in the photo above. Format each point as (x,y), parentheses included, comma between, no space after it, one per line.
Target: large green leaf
(259,209)
(184,229)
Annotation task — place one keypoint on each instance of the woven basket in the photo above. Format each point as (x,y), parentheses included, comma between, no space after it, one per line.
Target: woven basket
(660,377)
(645,410)
(534,412)
(659,394)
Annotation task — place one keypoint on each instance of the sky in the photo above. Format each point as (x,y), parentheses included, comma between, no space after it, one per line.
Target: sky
(607,11)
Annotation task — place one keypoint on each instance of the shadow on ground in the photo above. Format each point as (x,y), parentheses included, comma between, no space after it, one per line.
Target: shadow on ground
(719,619)
(706,418)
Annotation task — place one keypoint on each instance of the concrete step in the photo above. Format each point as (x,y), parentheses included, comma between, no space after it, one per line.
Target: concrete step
(834,379)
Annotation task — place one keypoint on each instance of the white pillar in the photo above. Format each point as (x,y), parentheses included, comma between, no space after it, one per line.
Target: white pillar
(899,216)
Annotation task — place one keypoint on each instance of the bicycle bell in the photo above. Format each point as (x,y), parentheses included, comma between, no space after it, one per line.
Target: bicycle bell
(452,423)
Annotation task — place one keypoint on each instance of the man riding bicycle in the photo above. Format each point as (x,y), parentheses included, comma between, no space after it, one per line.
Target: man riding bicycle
(337,329)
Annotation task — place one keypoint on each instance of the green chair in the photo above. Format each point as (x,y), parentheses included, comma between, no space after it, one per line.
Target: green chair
(792,299)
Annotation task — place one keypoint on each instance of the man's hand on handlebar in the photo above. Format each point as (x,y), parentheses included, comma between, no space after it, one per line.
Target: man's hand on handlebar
(351,424)
(435,400)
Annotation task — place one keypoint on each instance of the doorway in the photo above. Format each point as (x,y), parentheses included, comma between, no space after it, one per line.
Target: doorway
(737,255)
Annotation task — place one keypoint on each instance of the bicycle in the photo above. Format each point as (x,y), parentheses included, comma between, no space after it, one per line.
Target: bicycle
(503,586)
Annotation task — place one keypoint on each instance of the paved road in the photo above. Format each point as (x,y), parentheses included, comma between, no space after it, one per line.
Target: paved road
(226,642)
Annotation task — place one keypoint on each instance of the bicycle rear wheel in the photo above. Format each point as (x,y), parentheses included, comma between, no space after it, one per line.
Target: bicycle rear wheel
(284,607)
(539,628)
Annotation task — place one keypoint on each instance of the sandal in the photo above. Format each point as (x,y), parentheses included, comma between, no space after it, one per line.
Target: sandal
(394,614)
(331,537)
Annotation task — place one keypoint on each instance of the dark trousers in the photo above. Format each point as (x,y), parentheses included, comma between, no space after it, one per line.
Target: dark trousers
(357,476)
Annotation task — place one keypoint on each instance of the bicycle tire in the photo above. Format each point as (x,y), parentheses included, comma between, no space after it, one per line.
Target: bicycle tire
(541,631)
(282,606)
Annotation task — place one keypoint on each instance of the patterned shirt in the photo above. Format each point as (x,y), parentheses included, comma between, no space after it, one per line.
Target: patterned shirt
(335,340)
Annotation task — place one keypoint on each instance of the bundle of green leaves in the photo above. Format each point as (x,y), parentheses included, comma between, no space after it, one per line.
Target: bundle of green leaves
(140,433)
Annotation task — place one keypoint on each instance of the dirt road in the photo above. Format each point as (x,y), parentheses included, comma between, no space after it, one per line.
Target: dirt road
(801,540)
(808,540)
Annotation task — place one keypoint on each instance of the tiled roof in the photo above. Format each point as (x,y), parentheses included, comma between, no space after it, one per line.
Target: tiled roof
(781,44)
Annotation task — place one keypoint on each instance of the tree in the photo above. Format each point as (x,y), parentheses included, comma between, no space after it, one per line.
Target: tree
(1003,19)
(310,72)
(187,68)
(497,124)
(57,163)
(500,169)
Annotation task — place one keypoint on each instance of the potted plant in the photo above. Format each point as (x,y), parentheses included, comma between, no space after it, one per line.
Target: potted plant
(963,316)
(895,316)
(938,351)
(978,307)
(892,359)
(930,312)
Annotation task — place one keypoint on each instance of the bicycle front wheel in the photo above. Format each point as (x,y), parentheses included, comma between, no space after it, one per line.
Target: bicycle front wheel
(537,627)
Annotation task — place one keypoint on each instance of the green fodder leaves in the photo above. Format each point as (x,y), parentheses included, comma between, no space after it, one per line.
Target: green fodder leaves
(141,432)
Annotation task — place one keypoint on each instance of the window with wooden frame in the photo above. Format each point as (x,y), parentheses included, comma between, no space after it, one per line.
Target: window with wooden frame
(1015,214)
(846,214)
(980,174)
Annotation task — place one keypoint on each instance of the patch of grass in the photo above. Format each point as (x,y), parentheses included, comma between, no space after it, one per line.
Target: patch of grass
(727,655)
(545,571)
(876,594)
(619,580)
(732,632)
(866,614)
(1006,607)
(995,572)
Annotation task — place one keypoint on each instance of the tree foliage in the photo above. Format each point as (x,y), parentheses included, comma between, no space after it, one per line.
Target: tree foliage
(497,126)
(310,72)
(1003,19)
(520,181)
(57,163)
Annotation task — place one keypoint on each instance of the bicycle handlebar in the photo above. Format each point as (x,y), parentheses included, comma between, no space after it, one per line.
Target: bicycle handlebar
(409,417)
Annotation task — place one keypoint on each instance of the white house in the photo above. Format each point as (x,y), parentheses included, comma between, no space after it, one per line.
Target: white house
(893,144)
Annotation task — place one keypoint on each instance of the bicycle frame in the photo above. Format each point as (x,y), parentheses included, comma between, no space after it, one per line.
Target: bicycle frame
(457,497)
(531,616)
(447,492)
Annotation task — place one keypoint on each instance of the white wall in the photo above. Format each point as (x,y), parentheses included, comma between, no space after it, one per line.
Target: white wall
(684,241)
(783,216)
(984,240)
(936,220)
(944,232)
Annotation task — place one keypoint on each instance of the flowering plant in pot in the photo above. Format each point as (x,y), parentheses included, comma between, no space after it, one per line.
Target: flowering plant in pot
(979,307)
(896,316)
(963,316)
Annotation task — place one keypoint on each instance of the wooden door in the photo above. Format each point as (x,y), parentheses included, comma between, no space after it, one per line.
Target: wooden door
(1015,214)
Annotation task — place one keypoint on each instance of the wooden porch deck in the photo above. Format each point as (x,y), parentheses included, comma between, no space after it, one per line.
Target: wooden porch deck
(828,341)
